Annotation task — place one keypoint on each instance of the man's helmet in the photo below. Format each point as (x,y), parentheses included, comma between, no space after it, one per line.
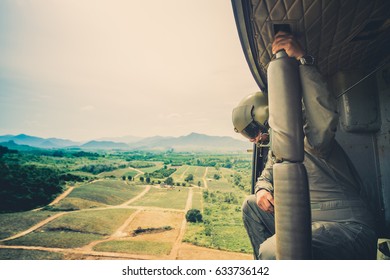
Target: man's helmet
(250,117)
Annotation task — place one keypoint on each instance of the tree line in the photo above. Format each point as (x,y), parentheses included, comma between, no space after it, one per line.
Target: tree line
(27,186)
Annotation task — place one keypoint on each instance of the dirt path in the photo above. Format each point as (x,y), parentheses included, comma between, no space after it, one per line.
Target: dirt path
(204,178)
(179,239)
(117,234)
(184,172)
(137,197)
(139,172)
(58,198)
(62,196)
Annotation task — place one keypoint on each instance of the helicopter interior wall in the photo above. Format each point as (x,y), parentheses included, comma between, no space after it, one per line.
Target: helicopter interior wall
(364,133)
(383,141)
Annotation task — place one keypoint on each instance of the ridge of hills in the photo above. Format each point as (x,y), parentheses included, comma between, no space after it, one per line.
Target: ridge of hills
(191,142)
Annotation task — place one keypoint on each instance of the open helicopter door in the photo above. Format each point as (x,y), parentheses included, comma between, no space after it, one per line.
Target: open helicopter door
(351,41)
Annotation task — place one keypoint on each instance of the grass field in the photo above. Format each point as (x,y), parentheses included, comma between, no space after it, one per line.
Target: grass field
(165,198)
(197,200)
(221,209)
(118,173)
(13,254)
(157,165)
(180,174)
(109,192)
(220,185)
(211,171)
(12,223)
(75,229)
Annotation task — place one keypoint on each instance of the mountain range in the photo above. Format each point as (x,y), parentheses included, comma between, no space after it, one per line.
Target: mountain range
(190,142)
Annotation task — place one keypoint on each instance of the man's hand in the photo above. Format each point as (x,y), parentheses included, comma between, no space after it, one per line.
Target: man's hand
(261,137)
(265,201)
(287,42)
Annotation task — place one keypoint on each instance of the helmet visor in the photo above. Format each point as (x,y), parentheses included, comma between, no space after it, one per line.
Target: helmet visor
(253,129)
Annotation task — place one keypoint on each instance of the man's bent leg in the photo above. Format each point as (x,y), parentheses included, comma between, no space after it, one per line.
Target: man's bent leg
(343,241)
(259,225)
(267,250)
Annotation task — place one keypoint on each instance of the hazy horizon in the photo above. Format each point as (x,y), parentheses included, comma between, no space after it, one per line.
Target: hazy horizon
(119,137)
(89,69)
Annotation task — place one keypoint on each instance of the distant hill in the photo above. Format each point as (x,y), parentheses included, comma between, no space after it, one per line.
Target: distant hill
(13,146)
(150,142)
(33,141)
(124,139)
(190,142)
(104,145)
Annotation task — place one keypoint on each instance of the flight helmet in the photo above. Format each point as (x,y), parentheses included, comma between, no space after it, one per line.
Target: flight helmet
(250,117)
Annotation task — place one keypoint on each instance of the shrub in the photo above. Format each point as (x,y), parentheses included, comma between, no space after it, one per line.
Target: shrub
(194,216)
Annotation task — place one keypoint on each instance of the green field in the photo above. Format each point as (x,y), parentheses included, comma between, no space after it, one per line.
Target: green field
(118,173)
(157,165)
(19,254)
(180,174)
(12,223)
(96,208)
(165,198)
(98,194)
(75,229)
(222,226)
(197,200)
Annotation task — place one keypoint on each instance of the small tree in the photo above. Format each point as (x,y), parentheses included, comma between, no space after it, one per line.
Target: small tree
(190,177)
(194,216)
(129,178)
(141,179)
(123,178)
(148,180)
(169,181)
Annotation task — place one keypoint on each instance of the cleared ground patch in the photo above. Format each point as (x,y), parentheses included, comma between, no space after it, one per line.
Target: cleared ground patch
(156,219)
(148,243)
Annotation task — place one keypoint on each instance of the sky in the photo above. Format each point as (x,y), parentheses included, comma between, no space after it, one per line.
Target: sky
(87,69)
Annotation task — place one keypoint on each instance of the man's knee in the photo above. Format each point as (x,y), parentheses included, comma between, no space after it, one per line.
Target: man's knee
(267,250)
(249,205)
